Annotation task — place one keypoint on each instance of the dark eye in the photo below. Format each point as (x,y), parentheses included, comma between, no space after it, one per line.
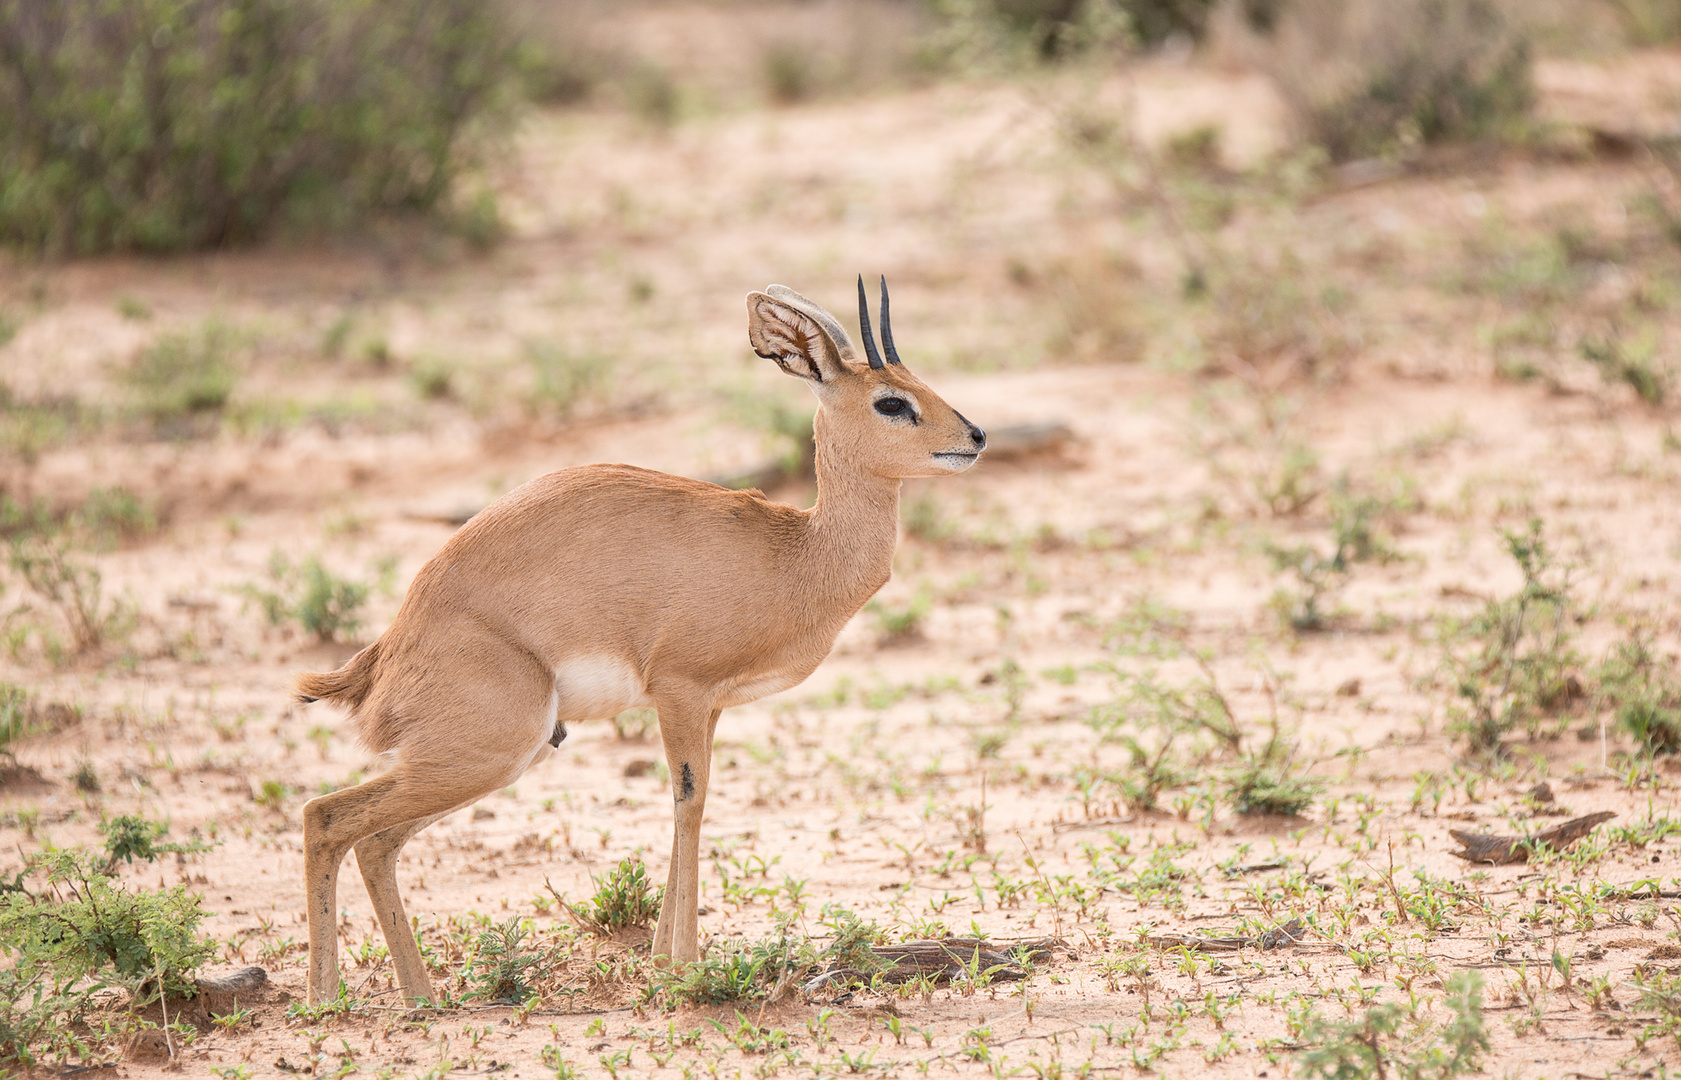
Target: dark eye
(891,406)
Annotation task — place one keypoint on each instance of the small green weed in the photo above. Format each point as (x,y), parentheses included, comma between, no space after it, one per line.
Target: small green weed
(1633,362)
(1512,663)
(623,898)
(183,377)
(562,380)
(1397,1040)
(902,623)
(1643,692)
(48,565)
(499,969)
(322,603)
(1355,538)
(128,838)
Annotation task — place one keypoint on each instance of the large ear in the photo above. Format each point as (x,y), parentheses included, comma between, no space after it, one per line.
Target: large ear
(801,337)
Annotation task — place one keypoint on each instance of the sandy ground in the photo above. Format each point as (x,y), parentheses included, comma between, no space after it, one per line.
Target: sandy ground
(936,784)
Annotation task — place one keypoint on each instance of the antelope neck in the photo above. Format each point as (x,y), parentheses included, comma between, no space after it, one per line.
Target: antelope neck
(854,525)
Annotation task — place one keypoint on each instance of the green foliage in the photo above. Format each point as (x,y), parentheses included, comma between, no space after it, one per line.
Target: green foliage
(1355,538)
(1375,77)
(1193,724)
(499,970)
(623,898)
(1634,362)
(1512,663)
(1643,693)
(738,970)
(562,380)
(17,720)
(48,565)
(1399,1041)
(31,426)
(80,935)
(1268,784)
(902,622)
(128,837)
(322,603)
(171,124)
(184,376)
(1151,772)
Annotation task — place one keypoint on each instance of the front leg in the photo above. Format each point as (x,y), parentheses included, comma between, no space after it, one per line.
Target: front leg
(686,729)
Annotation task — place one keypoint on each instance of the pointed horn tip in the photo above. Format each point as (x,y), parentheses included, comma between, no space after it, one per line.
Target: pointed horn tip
(870,350)
(887,328)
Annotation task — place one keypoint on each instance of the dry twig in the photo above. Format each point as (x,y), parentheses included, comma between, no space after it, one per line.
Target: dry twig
(1501,850)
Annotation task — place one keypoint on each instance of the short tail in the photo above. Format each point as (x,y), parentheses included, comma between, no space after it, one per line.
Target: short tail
(349,686)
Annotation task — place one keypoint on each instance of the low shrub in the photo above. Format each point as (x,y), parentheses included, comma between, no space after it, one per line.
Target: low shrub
(1643,694)
(1371,77)
(1399,1040)
(17,720)
(81,934)
(170,124)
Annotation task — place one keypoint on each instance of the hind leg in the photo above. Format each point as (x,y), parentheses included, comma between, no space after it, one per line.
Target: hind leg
(376,811)
(376,857)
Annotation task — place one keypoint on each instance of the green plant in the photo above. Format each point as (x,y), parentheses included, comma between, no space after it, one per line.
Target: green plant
(1633,362)
(1355,538)
(738,970)
(128,837)
(498,969)
(17,719)
(1400,73)
(1269,783)
(562,379)
(1643,692)
(81,934)
(47,564)
(1396,1040)
(433,378)
(623,898)
(902,622)
(1512,663)
(318,600)
(164,125)
(184,375)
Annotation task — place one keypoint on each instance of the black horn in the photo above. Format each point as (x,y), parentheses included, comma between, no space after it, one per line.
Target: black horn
(887,328)
(864,325)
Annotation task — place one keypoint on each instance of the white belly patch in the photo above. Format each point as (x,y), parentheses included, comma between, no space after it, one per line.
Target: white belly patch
(595,688)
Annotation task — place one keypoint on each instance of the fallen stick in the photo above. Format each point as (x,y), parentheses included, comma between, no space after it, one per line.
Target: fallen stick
(943,959)
(1503,850)
(1290,933)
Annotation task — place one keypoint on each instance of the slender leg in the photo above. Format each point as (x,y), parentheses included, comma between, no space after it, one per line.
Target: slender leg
(686,731)
(335,822)
(377,856)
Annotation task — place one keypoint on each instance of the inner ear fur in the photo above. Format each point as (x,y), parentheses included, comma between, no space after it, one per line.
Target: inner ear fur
(801,337)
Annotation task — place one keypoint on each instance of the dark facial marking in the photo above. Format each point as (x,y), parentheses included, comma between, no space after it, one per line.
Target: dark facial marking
(559,735)
(686,790)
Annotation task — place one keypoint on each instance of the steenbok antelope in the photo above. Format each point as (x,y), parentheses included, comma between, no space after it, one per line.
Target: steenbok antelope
(592,590)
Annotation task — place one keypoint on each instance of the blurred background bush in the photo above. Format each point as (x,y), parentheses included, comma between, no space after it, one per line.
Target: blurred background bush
(166,124)
(160,125)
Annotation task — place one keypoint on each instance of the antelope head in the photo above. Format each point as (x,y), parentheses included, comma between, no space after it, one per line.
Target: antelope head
(872,411)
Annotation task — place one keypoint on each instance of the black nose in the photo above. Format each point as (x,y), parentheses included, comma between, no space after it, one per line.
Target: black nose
(979,436)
